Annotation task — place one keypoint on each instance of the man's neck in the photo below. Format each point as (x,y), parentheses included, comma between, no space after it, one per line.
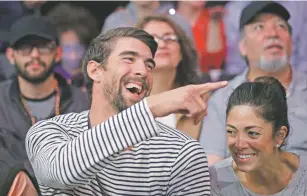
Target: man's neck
(36,91)
(284,76)
(101,109)
(189,12)
(163,80)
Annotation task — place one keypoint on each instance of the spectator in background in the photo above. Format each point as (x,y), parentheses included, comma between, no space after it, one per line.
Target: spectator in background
(266,45)
(137,10)
(257,126)
(76,27)
(10,11)
(208,31)
(36,93)
(235,64)
(176,64)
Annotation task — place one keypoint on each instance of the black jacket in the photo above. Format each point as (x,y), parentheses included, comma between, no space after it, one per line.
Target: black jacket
(14,117)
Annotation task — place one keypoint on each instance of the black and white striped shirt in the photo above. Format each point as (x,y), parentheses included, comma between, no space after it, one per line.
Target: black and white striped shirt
(70,159)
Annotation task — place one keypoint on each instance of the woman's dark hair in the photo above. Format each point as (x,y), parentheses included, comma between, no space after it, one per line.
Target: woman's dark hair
(268,97)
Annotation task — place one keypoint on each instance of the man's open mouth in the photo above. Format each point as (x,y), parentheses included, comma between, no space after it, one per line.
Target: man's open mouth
(134,88)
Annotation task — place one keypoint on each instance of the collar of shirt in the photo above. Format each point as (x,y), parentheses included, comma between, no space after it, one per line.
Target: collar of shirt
(298,82)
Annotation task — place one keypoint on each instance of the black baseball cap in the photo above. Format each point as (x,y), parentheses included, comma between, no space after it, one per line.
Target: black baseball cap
(257,7)
(32,25)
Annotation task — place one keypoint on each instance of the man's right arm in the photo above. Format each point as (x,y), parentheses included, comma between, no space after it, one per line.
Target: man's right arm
(213,135)
(59,161)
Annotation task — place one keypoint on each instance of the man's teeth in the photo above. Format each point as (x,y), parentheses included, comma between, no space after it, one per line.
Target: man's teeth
(132,85)
(244,156)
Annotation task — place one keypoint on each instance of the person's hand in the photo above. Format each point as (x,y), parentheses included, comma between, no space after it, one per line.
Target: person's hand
(190,100)
(216,13)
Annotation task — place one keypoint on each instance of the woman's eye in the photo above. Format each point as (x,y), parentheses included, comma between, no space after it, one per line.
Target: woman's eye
(231,133)
(253,134)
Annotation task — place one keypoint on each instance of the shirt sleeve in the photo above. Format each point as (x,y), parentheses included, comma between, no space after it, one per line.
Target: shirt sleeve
(190,173)
(60,161)
(213,135)
(215,189)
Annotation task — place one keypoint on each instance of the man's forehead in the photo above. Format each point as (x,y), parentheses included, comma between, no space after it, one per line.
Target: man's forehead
(132,44)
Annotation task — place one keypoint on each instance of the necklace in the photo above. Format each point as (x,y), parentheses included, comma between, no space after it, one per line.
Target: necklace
(57,103)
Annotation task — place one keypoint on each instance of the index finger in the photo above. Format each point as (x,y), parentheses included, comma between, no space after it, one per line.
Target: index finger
(211,86)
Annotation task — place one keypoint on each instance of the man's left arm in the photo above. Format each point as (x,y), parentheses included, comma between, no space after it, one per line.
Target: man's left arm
(190,173)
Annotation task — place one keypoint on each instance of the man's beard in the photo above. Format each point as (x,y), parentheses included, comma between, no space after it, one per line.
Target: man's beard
(115,98)
(276,64)
(273,65)
(35,79)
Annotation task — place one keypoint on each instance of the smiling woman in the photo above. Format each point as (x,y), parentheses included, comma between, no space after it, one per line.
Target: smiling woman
(257,127)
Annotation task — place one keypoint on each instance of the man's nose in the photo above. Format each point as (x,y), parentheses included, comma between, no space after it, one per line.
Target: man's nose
(34,53)
(140,69)
(272,31)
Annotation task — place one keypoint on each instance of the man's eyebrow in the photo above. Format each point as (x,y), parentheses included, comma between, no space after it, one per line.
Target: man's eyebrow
(258,20)
(133,53)
(129,52)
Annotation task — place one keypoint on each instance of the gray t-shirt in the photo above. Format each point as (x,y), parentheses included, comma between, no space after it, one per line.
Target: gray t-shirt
(43,108)
(224,181)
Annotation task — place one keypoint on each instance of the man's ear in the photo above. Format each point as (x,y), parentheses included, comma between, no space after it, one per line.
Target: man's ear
(10,56)
(281,136)
(242,47)
(94,71)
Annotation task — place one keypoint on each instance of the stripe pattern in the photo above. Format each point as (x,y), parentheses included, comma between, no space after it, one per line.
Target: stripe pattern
(129,154)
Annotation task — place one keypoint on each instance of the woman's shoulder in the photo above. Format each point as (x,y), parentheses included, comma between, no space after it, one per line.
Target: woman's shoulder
(223,170)
(298,184)
(224,180)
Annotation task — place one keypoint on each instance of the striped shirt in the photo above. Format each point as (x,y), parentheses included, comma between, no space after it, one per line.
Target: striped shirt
(129,154)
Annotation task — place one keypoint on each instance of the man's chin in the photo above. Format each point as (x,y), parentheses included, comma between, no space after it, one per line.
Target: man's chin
(35,79)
